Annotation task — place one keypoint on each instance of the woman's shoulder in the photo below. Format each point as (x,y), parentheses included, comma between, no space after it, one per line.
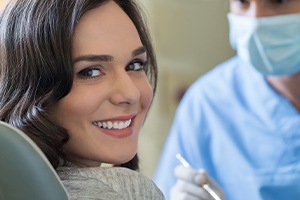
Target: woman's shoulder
(125,183)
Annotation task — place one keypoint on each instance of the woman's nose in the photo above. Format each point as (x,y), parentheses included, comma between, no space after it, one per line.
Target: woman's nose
(124,89)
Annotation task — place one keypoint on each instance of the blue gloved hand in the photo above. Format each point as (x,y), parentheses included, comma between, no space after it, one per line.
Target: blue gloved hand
(189,185)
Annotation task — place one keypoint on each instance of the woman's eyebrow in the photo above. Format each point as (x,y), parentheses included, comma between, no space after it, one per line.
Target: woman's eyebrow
(106,58)
(94,58)
(139,51)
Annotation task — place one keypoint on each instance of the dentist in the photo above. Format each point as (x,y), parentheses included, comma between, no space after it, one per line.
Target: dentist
(240,122)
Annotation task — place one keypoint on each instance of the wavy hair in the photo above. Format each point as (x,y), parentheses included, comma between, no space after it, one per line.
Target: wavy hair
(36,68)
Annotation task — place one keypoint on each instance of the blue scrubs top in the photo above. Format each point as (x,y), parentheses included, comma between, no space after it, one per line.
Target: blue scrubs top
(232,123)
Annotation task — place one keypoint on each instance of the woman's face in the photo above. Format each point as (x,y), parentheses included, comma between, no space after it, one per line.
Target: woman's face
(111,94)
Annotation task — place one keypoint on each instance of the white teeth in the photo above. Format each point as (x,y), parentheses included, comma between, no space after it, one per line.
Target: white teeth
(121,125)
(113,125)
(109,125)
(116,125)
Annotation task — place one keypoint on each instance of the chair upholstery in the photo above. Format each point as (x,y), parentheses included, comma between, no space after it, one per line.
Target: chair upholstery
(25,172)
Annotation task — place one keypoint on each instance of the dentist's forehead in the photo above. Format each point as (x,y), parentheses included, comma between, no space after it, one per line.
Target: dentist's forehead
(265,1)
(263,8)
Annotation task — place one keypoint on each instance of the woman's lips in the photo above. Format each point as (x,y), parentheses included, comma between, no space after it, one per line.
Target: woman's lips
(120,127)
(113,124)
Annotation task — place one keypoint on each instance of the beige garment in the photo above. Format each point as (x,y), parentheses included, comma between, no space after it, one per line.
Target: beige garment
(107,183)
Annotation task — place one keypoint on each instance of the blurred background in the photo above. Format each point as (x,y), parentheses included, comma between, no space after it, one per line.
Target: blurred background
(190,37)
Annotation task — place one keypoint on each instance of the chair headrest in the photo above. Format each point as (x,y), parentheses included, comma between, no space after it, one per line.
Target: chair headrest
(25,172)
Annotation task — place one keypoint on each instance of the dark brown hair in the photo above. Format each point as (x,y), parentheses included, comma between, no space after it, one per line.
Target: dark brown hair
(36,68)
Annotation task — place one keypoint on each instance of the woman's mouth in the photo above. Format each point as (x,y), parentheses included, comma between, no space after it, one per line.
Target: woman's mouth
(118,125)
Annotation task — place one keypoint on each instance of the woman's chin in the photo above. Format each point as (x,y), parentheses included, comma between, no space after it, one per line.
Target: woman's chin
(123,158)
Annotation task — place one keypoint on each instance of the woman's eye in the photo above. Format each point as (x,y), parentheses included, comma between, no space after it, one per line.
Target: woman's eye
(90,73)
(135,66)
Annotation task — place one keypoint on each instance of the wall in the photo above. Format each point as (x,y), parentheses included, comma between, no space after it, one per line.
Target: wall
(190,37)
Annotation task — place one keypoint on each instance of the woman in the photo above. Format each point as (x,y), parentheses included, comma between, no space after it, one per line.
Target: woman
(75,77)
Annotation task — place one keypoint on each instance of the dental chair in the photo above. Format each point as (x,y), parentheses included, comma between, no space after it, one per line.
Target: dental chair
(25,172)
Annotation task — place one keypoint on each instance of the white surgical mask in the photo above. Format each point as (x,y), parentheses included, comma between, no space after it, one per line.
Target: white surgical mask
(269,44)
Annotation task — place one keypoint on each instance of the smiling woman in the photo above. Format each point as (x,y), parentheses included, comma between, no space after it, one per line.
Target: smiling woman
(78,77)
(106,89)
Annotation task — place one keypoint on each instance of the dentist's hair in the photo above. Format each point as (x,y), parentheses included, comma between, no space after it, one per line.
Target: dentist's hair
(36,68)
